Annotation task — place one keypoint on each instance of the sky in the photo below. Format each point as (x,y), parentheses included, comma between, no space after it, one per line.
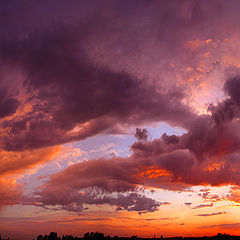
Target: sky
(120,117)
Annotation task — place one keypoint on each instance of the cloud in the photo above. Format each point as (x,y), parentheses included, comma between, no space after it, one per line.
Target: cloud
(165,203)
(229,108)
(210,214)
(73,200)
(69,82)
(203,206)
(231,87)
(224,226)
(18,162)
(141,134)
(212,197)
(8,104)
(82,219)
(234,194)
(11,193)
(171,162)
(204,189)
(61,67)
(74,97)
(170,139)
(94,182)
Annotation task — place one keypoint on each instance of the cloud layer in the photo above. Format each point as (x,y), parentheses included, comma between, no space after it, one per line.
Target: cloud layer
(73,97)
(109,67)
(173,162)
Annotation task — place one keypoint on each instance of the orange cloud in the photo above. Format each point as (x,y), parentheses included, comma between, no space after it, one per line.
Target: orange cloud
(234,194)
(154,172)
(16,162)
(10,192)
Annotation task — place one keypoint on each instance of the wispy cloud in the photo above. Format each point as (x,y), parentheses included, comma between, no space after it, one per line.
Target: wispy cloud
(224,226)
(203,206)
(210,214)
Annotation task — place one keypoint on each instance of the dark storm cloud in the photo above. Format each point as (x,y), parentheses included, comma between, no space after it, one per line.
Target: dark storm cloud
(73,95)
(220,135)
(8,104)
(72,88)
(232,88)
(228,109)
(72,91)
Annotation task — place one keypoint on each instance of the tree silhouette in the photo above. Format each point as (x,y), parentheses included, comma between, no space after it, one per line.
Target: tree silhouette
(53,236)
(67,237)
(39,237)
(45,237)
(93,236)
(86,235)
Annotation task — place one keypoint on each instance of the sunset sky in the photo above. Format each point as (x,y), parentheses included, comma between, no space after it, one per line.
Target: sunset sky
(119,116)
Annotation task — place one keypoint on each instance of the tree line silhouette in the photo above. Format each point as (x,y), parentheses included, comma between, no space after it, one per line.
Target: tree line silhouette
(100,236)
(87,236)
